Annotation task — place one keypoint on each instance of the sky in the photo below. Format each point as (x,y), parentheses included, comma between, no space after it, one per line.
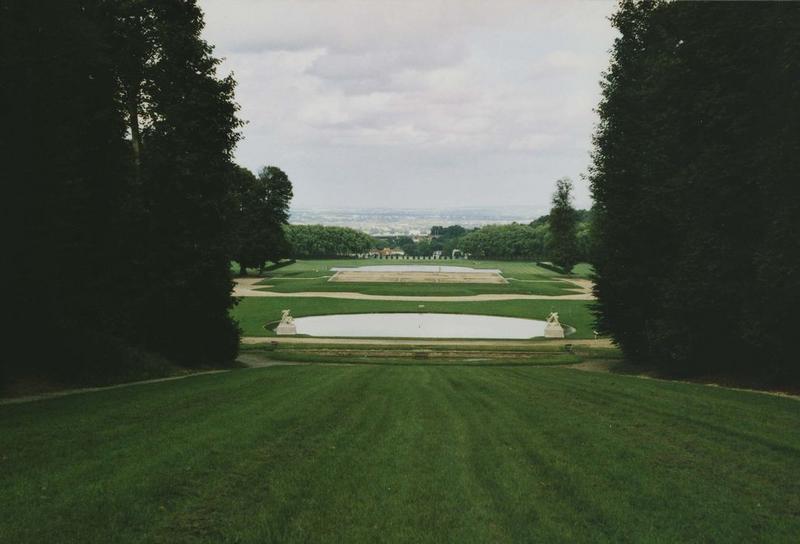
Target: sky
(407,104)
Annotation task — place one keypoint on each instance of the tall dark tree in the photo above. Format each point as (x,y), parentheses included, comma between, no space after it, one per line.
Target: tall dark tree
(694,180)
(116,147)
(248,239)
(186,162)
(626,240)
(279,198)
(563,221)
(64,176)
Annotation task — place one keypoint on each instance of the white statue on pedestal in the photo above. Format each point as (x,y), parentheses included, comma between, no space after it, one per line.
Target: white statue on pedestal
(553,329)
(286,326)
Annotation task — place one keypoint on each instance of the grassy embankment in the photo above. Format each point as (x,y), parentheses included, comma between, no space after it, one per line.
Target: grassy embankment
(515,353)
(402,453)
(253,313)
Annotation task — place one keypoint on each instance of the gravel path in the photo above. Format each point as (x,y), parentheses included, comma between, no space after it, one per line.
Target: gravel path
(250,361)
(64,392)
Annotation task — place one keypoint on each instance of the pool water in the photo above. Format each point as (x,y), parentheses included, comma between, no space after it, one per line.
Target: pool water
(415,268)
(419,325)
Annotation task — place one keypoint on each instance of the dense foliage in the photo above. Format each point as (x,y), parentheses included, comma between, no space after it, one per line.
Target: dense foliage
(695,182)
(507,242)
(261,211)
(453,231)
(117,144)
(318,241)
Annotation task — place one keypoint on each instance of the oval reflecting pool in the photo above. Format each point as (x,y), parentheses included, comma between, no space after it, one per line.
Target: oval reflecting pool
(419,325)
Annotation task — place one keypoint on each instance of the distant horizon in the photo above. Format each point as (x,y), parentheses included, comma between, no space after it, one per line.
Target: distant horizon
(378,221)
(411,208)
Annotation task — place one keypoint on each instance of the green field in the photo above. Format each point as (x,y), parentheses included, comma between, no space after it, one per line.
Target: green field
(522,287)
(322,267)
(583,270)
(312,276)
(253,313)
(371,453)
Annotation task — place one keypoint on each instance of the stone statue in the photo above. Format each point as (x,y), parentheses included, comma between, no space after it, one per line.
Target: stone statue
(286,326)
(553,329)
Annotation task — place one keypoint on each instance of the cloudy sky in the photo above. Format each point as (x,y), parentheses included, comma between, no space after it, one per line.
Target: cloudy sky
(400,104)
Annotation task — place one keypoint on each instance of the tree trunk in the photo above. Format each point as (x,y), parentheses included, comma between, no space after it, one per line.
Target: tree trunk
(132,102)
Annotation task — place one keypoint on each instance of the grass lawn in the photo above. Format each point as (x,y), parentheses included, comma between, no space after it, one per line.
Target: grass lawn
(523,277)
(583,270)
(322,267)
(253,313)
(371,453)
(525,287)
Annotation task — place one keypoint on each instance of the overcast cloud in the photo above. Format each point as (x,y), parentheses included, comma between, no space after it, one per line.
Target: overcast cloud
(416,104)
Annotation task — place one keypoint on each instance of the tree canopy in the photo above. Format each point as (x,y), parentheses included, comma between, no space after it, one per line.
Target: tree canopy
(511,242)
(317,241)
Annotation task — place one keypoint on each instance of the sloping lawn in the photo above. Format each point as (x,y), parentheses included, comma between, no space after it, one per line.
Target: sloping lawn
(417,454)
(253,313)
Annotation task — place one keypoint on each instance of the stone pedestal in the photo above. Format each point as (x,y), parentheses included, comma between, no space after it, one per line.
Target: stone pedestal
(553,329)
(286,328)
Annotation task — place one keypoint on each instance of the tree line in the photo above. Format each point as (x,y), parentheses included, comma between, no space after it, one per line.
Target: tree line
(507,242)
(561,237)
(318,241)
(534,241)
(697,203)
(120,189)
